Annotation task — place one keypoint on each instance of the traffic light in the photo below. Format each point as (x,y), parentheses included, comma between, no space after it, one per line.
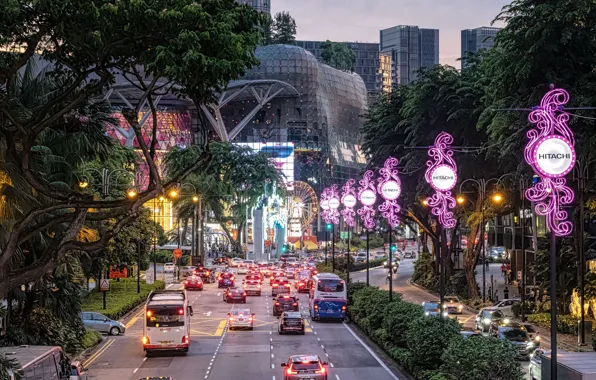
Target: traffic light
(329,226)
(284,249)
(393,247)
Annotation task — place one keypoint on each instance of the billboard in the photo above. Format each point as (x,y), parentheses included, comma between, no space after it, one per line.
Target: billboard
(281,155)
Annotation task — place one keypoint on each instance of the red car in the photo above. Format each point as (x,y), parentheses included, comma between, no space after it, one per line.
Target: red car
(193,282)
(234,295)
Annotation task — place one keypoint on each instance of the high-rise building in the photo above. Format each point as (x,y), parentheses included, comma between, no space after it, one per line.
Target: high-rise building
(474,40)
(260,5)
(366,65)
(410,49)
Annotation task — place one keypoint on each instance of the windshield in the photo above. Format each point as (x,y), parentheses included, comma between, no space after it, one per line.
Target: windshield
(492,314)
(170,316)
(431,306)
(241,312)
(513,334)
(330,285)
(530,328)
(286,300)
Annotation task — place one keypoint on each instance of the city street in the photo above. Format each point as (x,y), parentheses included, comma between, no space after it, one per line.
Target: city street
(217,353)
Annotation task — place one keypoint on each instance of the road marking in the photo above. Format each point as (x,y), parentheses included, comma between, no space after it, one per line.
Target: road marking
(133,320)
(323,347)
(145,358)
(99,352)
(220,328)
(207,313)
(273,377)
(337,376)
(135,371)
(319,339)
(331,364)
(272,356)
(272,366)
(370,351)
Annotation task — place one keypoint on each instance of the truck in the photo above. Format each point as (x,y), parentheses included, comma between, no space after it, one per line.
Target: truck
(570,365)
(42,363)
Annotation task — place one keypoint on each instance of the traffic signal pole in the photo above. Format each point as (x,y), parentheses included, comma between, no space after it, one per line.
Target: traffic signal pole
(390,267)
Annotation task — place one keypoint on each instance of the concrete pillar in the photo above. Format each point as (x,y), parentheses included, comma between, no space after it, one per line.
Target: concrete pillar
(258,231)
(280,239)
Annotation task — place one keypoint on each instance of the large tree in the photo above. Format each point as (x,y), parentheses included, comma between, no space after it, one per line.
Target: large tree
(282,29)
(198,47)
(338,55)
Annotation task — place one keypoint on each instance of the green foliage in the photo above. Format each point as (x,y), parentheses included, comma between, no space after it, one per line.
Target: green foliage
(9,364)
(492,359)
(398,317)
(423,271)
(427,339)
(281,29)
(121,298)
(566,269)
(354,287)
(338,55)
(566,324)
(91,338)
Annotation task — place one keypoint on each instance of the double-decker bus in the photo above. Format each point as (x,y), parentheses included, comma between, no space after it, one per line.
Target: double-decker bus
(167,321)
(328,297)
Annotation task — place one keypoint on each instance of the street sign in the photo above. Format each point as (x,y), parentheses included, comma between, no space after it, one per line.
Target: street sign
(177,253)
(104,285)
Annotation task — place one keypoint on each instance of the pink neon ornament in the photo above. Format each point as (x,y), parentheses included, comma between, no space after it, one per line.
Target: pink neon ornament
(389,188)
(348,199)
(334,203)
(367,195)
(441,174)
(325,205)
(551,154)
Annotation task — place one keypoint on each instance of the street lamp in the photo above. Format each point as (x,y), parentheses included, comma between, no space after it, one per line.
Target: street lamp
(106,178)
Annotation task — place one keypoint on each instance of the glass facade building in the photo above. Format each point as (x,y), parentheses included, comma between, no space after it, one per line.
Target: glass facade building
(260,5)
(410,49)
(474,40)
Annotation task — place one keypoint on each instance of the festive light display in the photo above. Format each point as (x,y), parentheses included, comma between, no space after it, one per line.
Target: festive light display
(551,154)
(441,174)
(333,204)
(389,188)
(348,199)
(325,205)
(367,195)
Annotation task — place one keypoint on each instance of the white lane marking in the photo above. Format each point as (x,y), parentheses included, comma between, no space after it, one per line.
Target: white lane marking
(272,356)
(315,332)
(331,364)
(319,339)
(273,377)
(323,347)
(207,313)
(370,351)
(145,358)
(135,371)
(272,366)
(326,354)
(271,339)
(337,376)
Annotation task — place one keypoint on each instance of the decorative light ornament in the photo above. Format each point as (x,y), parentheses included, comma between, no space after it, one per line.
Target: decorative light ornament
(389,188)
(367,195)
(441,174)
(551,154)
(348,199)
(325,205)
(333,204)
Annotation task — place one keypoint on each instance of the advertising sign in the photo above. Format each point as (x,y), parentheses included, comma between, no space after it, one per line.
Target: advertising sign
(390,190)
(349,201)
(282,156)
(554,156)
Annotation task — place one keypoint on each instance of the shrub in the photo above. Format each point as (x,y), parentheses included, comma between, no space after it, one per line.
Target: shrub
(121,298)
(91,338)
(566,324)
(477,303)
(398,316)
(423,271)
(492,359)
(528,308)
(368,307)
(427,339)
(354,287)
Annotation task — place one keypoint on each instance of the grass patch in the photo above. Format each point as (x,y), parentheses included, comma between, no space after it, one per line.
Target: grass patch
(121,298)
(91,338)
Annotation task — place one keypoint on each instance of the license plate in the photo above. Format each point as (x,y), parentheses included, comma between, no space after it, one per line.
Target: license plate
(165,342)
(240,319)
(329,311)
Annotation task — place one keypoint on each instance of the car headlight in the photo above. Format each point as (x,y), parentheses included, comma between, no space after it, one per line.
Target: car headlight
(486,321)
(530,344)
(426,313)
(460,307)
(445,314)
(537,338)
(506,321)
(385,263)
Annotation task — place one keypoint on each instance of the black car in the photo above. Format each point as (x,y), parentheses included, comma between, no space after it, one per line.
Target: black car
(206,274)
(226,280)
(291,321)
(283,303)
(517,335)
(233,294)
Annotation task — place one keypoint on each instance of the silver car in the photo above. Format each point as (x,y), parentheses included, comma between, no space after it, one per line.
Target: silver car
(302,367)
(535,367)
(241,318)
(102,323)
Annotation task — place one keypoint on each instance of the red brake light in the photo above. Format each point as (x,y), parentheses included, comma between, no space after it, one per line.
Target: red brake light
(290,371)
(231,318)
(250,318)
(244,293)
(232,278)
(229,293)
(321,369)
(288,285)
(343,307)
(277,304)
(181,311)
(185,339)
(274,285)
(305,362)
(316,306)
(286,296)
(295,304)
(149,313)
(186,282)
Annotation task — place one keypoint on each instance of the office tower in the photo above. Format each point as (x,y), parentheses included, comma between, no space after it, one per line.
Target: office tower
(410,49)
(366,65)
(260,5)
(474,40)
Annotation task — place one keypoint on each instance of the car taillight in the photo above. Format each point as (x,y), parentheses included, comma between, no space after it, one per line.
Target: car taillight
(291,371)
(321,369)
(287,285)
(229,293)
(231,318)
(145,340)
(343,307)
(250,318)
(295,304)
(301,284)
(180,311)
(274,285)
(149,313)
(316,306)
(185,339)
(186,282)
(232,278)
(244,293)
(277,304)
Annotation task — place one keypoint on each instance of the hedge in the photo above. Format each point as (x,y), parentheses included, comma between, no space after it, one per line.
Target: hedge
(423,345)
(566,324)
(91,338)
(121,298)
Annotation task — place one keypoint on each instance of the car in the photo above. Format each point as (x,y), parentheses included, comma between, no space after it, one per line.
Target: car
(485,317)
(468,334)
(360,257)
(291,321)
(535,367)
(206,274)
(395,264)
(505,306)
(280,285)
(299,366)
(283,303)
(453,305)
(233,294)
(532,332)
(241,318)
(302,285)
(242,268)
(102,323)
(169,267)
(253,277)
(515,334)
(225,280)
(193,282)
(187,271)
(276,274)
(235,262)
(433,309)
(409,255)
(291,272)
(252,287)
(498,252)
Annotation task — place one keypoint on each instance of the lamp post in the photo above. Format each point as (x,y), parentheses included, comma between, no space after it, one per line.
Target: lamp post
(105,179)
(348,199)
(367,195)
(333,215)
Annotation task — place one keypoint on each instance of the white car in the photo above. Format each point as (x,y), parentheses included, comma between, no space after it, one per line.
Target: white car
(235,262)
(243,269)
(504,306)
(536,363)
(169,267)
(241,318)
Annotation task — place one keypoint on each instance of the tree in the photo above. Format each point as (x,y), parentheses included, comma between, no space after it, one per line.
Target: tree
(198,47)
(280,30)
(338,55)
(428,337)
(493,359)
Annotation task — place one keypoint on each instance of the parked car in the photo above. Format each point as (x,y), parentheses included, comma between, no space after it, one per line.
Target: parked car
(505,306)
(102,323)
(468,334)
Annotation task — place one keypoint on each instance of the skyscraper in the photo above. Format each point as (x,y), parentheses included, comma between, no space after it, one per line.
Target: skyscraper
(260,5)
(410,49)
(473,40)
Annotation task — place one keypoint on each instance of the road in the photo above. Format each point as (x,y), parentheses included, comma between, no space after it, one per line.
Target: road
(219,354)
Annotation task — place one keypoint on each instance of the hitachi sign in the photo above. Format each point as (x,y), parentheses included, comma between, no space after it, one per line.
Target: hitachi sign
(554,156)
(443,177)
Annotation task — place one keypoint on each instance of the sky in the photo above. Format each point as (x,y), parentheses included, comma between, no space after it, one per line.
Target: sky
(361,20)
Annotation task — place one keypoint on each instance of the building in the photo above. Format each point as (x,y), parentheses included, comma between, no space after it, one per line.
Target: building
(366,65)
(474,40)
(410,49)
(260,5)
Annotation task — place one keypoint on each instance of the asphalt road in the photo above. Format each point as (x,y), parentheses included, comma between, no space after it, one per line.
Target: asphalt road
(219,354)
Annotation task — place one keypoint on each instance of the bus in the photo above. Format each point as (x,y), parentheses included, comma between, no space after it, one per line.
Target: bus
(41,363)
(328,297)
(166,324)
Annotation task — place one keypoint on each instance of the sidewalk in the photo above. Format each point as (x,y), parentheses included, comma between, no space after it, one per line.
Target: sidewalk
(498,282)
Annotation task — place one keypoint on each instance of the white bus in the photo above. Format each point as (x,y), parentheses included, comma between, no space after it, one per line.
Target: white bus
(167,321)
(41,363)
(328,297)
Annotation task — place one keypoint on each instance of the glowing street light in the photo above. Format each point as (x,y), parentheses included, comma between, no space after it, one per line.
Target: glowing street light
(195,199)
(461,199)
(83,184)
(497,198)
(173,193)
(132,193)
(425,202)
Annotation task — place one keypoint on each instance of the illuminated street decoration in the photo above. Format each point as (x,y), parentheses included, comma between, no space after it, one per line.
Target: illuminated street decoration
(367,195)
(389,188)
(551,154)
(325,205)
(441,174)
(333,204)
(348,199)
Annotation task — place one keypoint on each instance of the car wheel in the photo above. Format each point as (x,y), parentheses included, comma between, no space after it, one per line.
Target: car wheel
(114,331)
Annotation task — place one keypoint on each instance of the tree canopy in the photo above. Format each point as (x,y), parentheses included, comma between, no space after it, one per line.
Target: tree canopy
(338,55)
(281,29)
